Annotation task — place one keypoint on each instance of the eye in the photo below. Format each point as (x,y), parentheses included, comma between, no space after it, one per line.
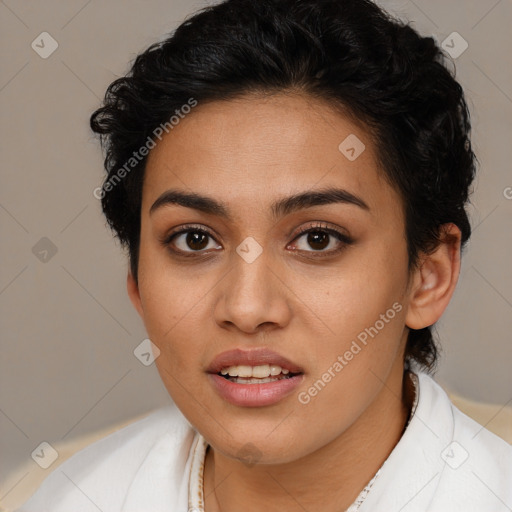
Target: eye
(192,240)
(189,240)
(321,239)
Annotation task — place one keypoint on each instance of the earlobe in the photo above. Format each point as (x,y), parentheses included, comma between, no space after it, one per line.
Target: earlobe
(434,281)
(134,294)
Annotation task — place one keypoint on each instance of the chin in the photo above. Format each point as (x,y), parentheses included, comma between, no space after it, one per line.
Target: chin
(253,445)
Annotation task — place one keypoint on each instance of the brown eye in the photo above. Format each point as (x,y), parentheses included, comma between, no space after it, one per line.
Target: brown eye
(196,240)
(321,239)
(318,240)
(190,240)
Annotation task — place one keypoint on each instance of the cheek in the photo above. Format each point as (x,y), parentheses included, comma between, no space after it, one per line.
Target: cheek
(365,313)
(351,299)
(172,301)
(349,374)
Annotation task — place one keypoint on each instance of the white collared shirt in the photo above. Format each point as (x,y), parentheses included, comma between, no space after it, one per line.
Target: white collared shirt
(444,462)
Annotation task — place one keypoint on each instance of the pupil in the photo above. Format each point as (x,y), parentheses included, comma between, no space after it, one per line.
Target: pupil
(316,238)
(197,240)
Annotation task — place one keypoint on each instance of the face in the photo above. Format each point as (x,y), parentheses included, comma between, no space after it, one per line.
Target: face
(278,321)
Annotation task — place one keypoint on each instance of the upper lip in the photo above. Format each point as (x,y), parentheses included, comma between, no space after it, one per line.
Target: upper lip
(253,357)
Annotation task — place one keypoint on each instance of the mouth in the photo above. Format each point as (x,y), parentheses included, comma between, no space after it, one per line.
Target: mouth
(254,378)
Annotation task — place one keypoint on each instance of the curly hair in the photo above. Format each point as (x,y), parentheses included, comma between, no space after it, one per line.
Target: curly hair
(351,54)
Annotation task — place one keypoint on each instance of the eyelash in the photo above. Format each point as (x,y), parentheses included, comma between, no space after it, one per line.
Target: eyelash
(323,228)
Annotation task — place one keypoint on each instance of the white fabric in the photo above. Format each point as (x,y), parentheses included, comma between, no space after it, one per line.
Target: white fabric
(196,482)
(445,461)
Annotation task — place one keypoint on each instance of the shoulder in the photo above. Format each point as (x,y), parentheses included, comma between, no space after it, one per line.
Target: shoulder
(444,462)
(476,470)
(102,474)
(465,429)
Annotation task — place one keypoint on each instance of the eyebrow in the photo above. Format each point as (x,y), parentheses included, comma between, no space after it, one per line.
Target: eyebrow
(279,208)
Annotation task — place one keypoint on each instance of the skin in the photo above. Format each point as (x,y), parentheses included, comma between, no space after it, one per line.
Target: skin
(247,153)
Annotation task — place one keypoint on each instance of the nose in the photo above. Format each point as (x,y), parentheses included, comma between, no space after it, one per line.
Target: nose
(253,296)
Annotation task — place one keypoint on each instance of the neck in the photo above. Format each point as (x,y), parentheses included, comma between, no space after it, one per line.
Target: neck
(329,479)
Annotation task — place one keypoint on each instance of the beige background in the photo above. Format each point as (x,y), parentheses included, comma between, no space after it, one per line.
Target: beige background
(68,329)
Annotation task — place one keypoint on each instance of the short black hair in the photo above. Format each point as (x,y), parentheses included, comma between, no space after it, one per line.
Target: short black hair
(349,53)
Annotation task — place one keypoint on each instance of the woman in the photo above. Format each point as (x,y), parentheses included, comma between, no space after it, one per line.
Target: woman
(289,178)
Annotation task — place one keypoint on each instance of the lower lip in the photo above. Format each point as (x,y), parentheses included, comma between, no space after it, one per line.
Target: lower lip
(254,395)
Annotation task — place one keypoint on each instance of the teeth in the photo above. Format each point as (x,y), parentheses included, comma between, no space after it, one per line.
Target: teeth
(258,372)
(275,370)
(242,371)
(253,380)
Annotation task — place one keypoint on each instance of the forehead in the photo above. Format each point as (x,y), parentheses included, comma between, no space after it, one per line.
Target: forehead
(254,149)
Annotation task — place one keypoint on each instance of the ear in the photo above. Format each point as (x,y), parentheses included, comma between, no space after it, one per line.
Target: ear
(434,281)
(134,294)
